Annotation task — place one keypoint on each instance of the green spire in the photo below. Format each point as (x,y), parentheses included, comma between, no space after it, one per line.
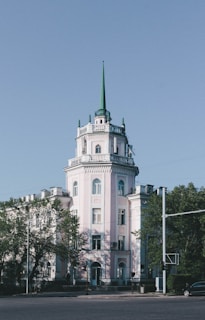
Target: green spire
(102,110)
(103,99)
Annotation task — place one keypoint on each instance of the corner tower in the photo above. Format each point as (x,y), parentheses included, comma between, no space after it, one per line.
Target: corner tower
(99,178)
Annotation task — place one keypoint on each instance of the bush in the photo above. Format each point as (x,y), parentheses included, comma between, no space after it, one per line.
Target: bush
(176,282)
(7,289)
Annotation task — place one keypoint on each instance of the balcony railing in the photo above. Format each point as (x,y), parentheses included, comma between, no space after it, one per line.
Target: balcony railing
(107,127)
(100,158)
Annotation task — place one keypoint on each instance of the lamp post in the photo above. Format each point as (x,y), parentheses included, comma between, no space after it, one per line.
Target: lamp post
(164,238)
(87,291)
(27,251)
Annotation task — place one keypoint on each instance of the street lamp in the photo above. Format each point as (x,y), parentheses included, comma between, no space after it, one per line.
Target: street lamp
(164,238)
(162,192)
(27,250)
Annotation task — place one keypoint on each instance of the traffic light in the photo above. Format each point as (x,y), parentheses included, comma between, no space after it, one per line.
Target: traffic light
(163,265)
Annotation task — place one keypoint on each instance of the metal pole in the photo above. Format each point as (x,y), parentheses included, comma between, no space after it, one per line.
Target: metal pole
(27,253)
(87,280)
(164,238)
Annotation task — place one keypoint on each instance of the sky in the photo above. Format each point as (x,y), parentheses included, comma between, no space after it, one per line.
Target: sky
(51,54)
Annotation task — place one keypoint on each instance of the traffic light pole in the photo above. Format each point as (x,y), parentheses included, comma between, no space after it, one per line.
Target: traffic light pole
(164,238)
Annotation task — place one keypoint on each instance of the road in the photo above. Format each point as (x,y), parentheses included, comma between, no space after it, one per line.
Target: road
(102,307)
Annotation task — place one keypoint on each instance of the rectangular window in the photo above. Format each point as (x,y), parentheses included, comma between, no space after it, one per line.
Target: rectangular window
(96,242)
(121,243)
(121,216)
(49,218)
(96,216)
(37,220)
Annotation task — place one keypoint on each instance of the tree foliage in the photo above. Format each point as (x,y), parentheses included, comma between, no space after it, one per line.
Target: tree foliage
(40,228)
(184,233)
(70,242)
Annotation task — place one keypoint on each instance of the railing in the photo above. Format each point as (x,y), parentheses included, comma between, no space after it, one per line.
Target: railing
(101,158)
(91,128)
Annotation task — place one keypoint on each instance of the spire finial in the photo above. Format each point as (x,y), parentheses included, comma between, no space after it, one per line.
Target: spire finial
(103,99)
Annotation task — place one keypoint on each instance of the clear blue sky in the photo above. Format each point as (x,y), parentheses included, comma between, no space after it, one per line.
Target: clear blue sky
(51,54)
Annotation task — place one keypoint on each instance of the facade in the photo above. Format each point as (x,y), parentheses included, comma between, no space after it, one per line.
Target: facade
(40,220)
(101,191)
(101,182)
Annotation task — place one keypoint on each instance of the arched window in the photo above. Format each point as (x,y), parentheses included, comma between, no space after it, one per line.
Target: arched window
(75,188)
(98,149)
(96,186)
(121,188)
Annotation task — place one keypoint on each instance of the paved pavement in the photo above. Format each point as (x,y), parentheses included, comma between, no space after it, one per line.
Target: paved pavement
(93,294)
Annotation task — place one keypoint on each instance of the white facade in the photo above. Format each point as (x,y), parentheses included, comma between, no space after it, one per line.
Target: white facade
(101,191)
(101,182)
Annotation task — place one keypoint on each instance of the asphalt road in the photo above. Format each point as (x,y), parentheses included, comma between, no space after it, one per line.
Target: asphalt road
(102,307)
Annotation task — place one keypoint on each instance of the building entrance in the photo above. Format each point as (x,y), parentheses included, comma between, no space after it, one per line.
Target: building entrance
(95,274)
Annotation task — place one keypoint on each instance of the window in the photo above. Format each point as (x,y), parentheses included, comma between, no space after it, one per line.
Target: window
(121,216)
(121,188)
(96,186)
(74,214)
(96,216)
(98,149)
(121,243)
(49,217)
(37,220)
(96,242)
(121,270)
(48,269)
(75,188)
(84,149)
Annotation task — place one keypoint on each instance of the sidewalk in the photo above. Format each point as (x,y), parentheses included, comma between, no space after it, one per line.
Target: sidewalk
(95,294)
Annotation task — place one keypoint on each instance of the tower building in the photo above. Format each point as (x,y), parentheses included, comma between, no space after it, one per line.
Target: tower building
(101,182)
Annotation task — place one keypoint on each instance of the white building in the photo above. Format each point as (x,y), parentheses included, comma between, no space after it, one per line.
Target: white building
(101,191)
(101,182)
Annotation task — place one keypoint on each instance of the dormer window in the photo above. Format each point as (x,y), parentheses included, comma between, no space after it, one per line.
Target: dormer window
(98,149)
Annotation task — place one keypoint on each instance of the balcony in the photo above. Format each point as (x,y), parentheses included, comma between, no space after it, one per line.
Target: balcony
(101,158)
(106,127)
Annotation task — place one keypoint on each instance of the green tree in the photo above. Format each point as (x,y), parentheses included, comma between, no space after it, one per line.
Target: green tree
(184,234)
(5,240)
(70,241)
(12,240)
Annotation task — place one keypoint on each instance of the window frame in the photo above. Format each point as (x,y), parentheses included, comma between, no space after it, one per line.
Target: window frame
(75,188)
(96,242)
(121,217)
(96,216)
(96,186)
(121,243)
(98,148)
(121,187)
